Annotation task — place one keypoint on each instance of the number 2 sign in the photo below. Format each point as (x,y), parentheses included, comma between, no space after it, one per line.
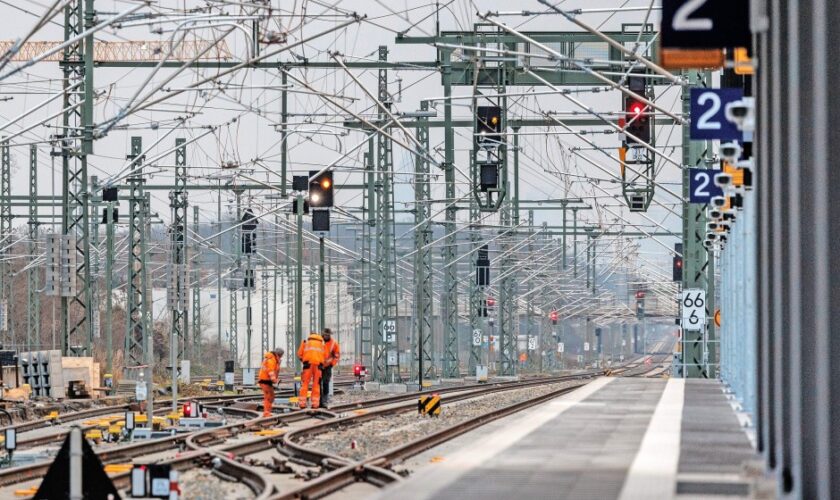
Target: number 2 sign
(705,24)
(708,118)
(702,185)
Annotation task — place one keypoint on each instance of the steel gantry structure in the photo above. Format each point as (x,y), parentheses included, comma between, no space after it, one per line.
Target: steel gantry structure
(491,60)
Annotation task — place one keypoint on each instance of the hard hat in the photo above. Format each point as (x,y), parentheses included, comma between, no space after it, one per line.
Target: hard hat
(279,352)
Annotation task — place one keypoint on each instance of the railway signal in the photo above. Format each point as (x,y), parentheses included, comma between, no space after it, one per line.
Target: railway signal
(636,118)
(677,272)
(488,126)
(553,316)
(640,304)
(321,189)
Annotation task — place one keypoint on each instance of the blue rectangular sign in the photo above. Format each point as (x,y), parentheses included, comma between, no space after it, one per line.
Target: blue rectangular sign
(702,185)
(708,117)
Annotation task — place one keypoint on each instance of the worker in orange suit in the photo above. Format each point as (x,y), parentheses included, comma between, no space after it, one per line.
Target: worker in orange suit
(311,354)
(331,356)
(269,376)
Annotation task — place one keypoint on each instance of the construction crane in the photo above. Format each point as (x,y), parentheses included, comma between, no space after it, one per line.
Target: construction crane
(135,51)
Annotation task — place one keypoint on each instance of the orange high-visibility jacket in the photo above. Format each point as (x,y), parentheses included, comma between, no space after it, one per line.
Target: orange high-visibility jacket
(332,352)
(312,350)
(270,369)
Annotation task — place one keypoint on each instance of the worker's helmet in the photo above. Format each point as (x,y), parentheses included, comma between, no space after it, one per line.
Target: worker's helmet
(279,352)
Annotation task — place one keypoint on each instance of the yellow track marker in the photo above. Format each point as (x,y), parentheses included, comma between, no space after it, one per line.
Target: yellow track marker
(94,434)
(270,432)
(117,468)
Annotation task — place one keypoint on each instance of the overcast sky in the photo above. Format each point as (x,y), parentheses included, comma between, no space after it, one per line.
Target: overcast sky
(246,117)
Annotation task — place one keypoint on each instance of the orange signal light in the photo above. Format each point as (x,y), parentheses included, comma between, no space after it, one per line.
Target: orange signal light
(326,183)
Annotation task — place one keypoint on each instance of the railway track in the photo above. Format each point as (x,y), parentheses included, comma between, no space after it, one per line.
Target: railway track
(224,451)
(226,402)
(232,456)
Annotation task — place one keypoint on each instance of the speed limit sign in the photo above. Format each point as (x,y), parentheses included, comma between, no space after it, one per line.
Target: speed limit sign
(476,338)
(693,309)
(389,327)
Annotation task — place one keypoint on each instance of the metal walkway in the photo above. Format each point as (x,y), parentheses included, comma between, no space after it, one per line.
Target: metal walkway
(622,438)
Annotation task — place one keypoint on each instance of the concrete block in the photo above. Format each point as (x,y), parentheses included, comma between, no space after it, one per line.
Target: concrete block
(394,388)
(452,380)
(506,378)
(372,386)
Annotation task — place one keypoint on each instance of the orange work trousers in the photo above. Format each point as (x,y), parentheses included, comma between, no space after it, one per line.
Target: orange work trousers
(268,398)
(313,375)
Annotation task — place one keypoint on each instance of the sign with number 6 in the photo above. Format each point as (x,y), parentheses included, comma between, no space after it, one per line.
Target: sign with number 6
(693,306)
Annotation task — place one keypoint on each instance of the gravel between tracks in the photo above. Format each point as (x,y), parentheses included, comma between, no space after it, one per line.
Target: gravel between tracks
(351,395)
(383,433)
(202,484)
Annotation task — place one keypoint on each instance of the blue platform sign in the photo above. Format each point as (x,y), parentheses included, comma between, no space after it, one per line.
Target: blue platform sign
(708,117)
(702,185)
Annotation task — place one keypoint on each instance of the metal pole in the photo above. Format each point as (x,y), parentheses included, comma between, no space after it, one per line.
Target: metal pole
(150,386)
(109,288)
(33,330)
(322,317)
(219,360)
(516,176)
(451,366)
(574,238)
(196,291)
(299,280)
(564,236)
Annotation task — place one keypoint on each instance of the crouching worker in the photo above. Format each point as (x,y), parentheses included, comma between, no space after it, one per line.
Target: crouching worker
(311,354)
(269,377)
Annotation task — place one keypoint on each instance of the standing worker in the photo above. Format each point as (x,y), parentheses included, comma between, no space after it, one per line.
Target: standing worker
(331,356)
(269,377)
(311,354)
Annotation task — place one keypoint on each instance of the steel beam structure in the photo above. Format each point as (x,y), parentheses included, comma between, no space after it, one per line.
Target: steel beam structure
(235,283)
(264,340)
(368,325)
(196,262)
(478,299)
(449,300)
(386,345)
(699,348)
(33,305)
(138,298)
(76,144)
(5,242)
(179,345)
(423,291)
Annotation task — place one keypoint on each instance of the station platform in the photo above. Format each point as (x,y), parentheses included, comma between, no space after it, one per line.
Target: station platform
(615,438)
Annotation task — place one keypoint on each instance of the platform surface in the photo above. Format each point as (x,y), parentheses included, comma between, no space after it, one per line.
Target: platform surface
(615,438)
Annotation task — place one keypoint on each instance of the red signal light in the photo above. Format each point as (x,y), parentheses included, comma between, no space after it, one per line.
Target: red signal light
(491,302)
(636,108)
(640,294)
(553,315)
